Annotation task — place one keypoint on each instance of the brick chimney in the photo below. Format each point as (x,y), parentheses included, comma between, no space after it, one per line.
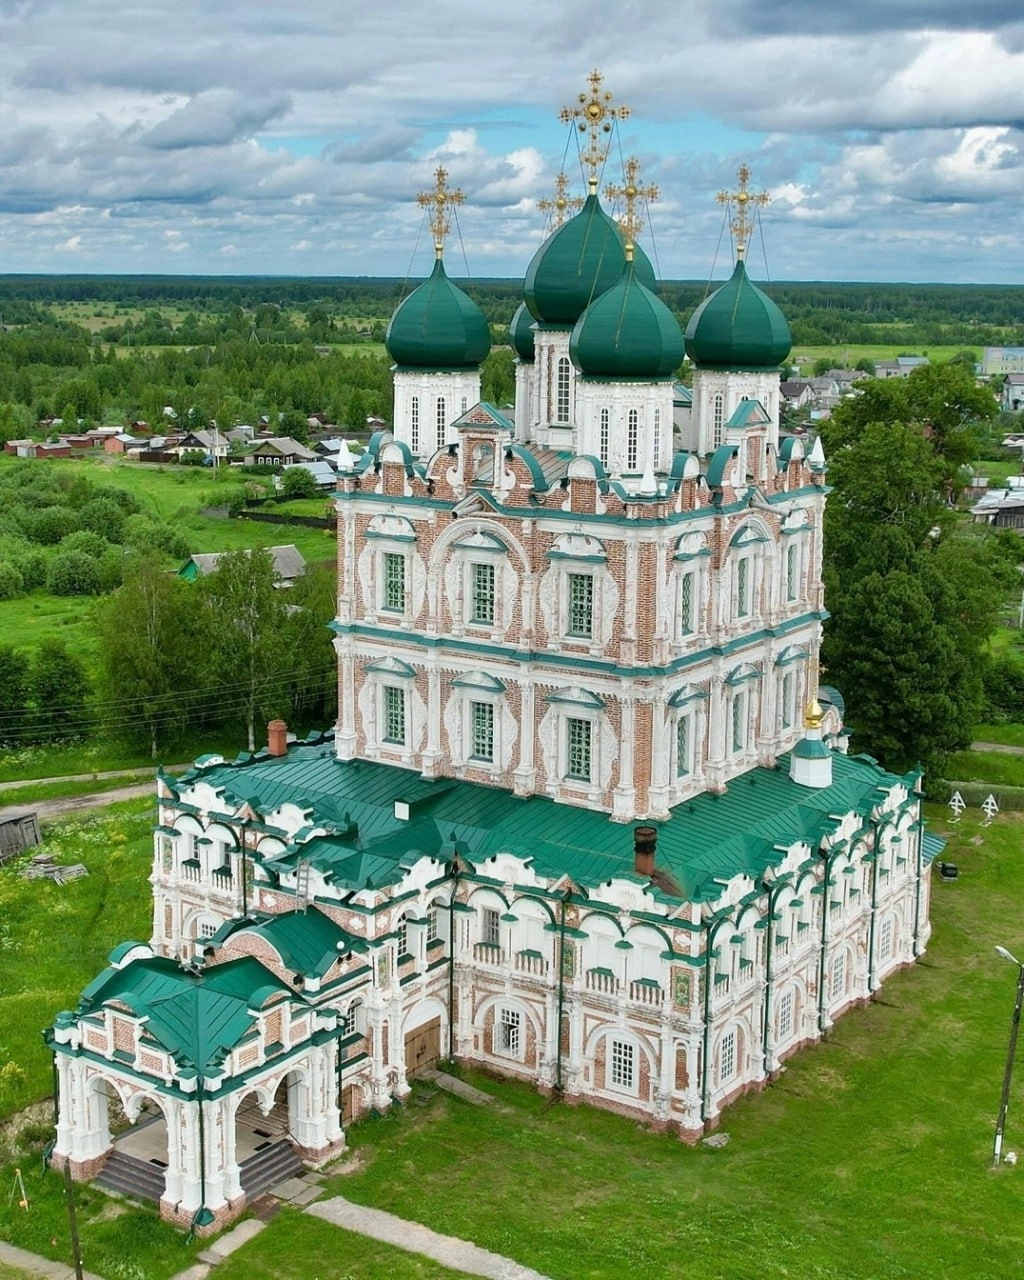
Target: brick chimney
(277,738)
(645,844)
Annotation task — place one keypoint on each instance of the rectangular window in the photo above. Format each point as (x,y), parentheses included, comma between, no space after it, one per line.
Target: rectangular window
(441,420)
(727,1060)
(785,1016)
(603,440)
(482,593)
(657,439)
(687,602)
(684,746)
(206,929)
(837,976)
(577,764)
(623,1065)
(742,587)
(788,683)
(394,714)
(482,716)
(632,439)
(562,408)
(403,937)
(490,926)
(739,721)
(414,424)
(393,587)
(507,1033)
(431,924)
(350,1023)
(580,619)
(885,940)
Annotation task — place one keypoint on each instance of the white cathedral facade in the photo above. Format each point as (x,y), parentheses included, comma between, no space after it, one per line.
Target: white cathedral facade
(586,817)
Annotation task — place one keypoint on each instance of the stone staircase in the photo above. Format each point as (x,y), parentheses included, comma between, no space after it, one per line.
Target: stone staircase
(268,1167)
(131,1177)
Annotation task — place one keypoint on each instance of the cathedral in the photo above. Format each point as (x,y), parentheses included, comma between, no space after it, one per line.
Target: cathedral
(587,816)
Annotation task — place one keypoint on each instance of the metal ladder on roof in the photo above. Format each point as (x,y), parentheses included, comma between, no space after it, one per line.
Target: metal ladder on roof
(302,886)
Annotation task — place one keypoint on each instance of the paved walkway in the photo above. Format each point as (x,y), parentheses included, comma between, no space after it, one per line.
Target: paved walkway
(33,1265)
(459,1255)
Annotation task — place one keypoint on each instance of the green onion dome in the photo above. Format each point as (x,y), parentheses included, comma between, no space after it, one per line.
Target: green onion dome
(520,333)
(438,327)
(627,332)
(738,327)
(578,263)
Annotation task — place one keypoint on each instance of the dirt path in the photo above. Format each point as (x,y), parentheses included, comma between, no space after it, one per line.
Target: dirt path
(61,805)
(997,746)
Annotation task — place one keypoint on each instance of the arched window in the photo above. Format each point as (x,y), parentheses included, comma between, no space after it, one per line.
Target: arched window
(717,421)
(562,393)
(414,424)
(465,405)
(442,421)
(603,439)
(657,439)
(632,439)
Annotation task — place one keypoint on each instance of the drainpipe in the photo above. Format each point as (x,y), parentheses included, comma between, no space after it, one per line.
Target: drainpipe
(561,990)
(919,792)
(768,976)
(451,959)
(874,907)
(341,1070)
(705,1095)
(203,1217)
(829,859)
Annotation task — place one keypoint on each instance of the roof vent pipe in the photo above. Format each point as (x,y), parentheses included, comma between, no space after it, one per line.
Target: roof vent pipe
(645,844)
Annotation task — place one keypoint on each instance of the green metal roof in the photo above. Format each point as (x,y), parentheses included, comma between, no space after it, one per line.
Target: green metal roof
(576,264)
(738,327)
(627,332)
(438,327)
(196,1016)
(705,842)
(520,332)
(308,942)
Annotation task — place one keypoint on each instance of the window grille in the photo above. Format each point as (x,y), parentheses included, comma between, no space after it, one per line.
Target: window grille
(687,599)
(604,437)
(683,745)
(414,424)
(393,594)
(508,1032)
(792,573)
(562,405)
(632,439)
(491,927)
(580,620)
(394,714)
(787,699)
(742,587)
(351,1022)
(785,1015)
(717,421)
(623,1073)
(739,721)
(837,976)
(403,937)
(727,1059)
(482,715)
(657,439)
(482,594)
(431,924)
(885,940)
(578,749)
(441,420)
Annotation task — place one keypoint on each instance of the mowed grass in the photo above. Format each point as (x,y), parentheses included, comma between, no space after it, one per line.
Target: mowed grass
(1009,735)
(846,355)
(1000,768)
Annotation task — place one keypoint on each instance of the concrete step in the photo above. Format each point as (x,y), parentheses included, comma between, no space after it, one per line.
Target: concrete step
(131,1177)
(267,1168)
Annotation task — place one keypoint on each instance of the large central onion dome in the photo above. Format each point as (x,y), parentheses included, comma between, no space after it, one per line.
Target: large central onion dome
(520,332)
(438,327)
(582,260)
(627,332)
(738,327)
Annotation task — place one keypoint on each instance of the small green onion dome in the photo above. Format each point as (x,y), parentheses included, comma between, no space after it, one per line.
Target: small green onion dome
(627,332)
(520,333)
(578,263)
(738,327)
(438,327)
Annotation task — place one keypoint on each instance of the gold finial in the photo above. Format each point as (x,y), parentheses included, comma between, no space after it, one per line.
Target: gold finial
(813,715)
(746,202)
(594,116)
(562,204)
(631,192)
(438,202)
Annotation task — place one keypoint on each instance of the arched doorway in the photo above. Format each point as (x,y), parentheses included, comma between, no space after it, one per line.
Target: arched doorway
(423,1036)
(136,1132)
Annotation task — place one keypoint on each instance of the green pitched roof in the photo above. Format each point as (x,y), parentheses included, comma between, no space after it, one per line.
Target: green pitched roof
(197,1017)
(738,327)
(705,842)
(576,264)
(520,332)
(307,941)
(627,332)
(438,327)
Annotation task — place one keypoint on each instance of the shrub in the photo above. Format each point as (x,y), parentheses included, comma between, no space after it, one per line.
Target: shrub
(52,525)
(73,573)
(297,482)
(85,541)
(11,581)
(32,565)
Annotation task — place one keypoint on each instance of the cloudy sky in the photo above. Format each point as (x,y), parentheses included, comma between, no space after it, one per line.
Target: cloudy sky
(254,136)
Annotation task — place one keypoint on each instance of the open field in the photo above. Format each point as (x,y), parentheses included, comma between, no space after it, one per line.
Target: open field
(867,1160)
(846,355)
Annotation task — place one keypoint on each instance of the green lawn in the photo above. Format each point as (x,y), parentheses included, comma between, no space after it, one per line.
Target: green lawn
(995,767)
(1009,735)
(846,355)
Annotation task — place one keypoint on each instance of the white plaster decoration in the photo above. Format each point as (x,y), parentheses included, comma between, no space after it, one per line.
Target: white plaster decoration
(454,388)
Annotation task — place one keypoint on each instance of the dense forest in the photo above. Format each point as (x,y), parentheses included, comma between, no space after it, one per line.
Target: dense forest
(123,348)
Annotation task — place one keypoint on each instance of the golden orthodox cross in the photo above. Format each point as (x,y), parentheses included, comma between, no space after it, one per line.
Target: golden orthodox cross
(747,203)
(631,192)
(594,116)
(438,203)
(562,204)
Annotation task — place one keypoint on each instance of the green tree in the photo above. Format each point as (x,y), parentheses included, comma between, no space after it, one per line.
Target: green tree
(73,573)
(60,691)
(247,622)
(14,695)
(146,633)
(297,482)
